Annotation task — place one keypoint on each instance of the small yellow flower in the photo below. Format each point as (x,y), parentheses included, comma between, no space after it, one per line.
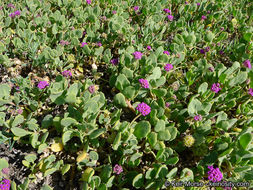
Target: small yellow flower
(234,22)
(81,156)
(188,140)
(237,129)
(57,147)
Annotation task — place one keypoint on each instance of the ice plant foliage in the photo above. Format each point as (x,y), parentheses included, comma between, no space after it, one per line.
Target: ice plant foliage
(168,67)
(43,84)
(117,169)
(214,174)
(144,83)
(216,87)
(190,61)
(143,108)
(137,55)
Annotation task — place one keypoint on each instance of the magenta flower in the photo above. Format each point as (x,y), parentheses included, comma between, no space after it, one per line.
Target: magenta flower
(88,1)
(166,52)
(221,52)
(136,8)
(43,84)
(198,118)
(5,171)
(115,61)
(216,87)
(137,55)
(251,91)
(83,44)
(99,44)
(198,4)
(117,169)
(114,12)
(5,184)
(222,28)
(92,89)
(17,12)
(67,73)
(211,69)
(20,111)
(247,64)
(170,17)
(12,15)
(214,175)
(203,17)
(202,51)
(143,108)
(149,47)
(144,83)
(168,67)
(186,2)
(10,5)
(63,43)
(167,104)
(167,11)
(208,12)
(207,49)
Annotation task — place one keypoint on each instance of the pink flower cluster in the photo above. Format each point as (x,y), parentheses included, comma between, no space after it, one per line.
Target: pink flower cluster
(63,43)
(115,61)
(198,118)
(67,73)
(137,55)
(16,13)
(117,169)
(92,89)
(43,84)
(143,108)
(247,64)
(5,185)
(144,83)
(166,52)
(216,87)
(170,17)
(214,175)
(83,44)
(251,91)
(168,67)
